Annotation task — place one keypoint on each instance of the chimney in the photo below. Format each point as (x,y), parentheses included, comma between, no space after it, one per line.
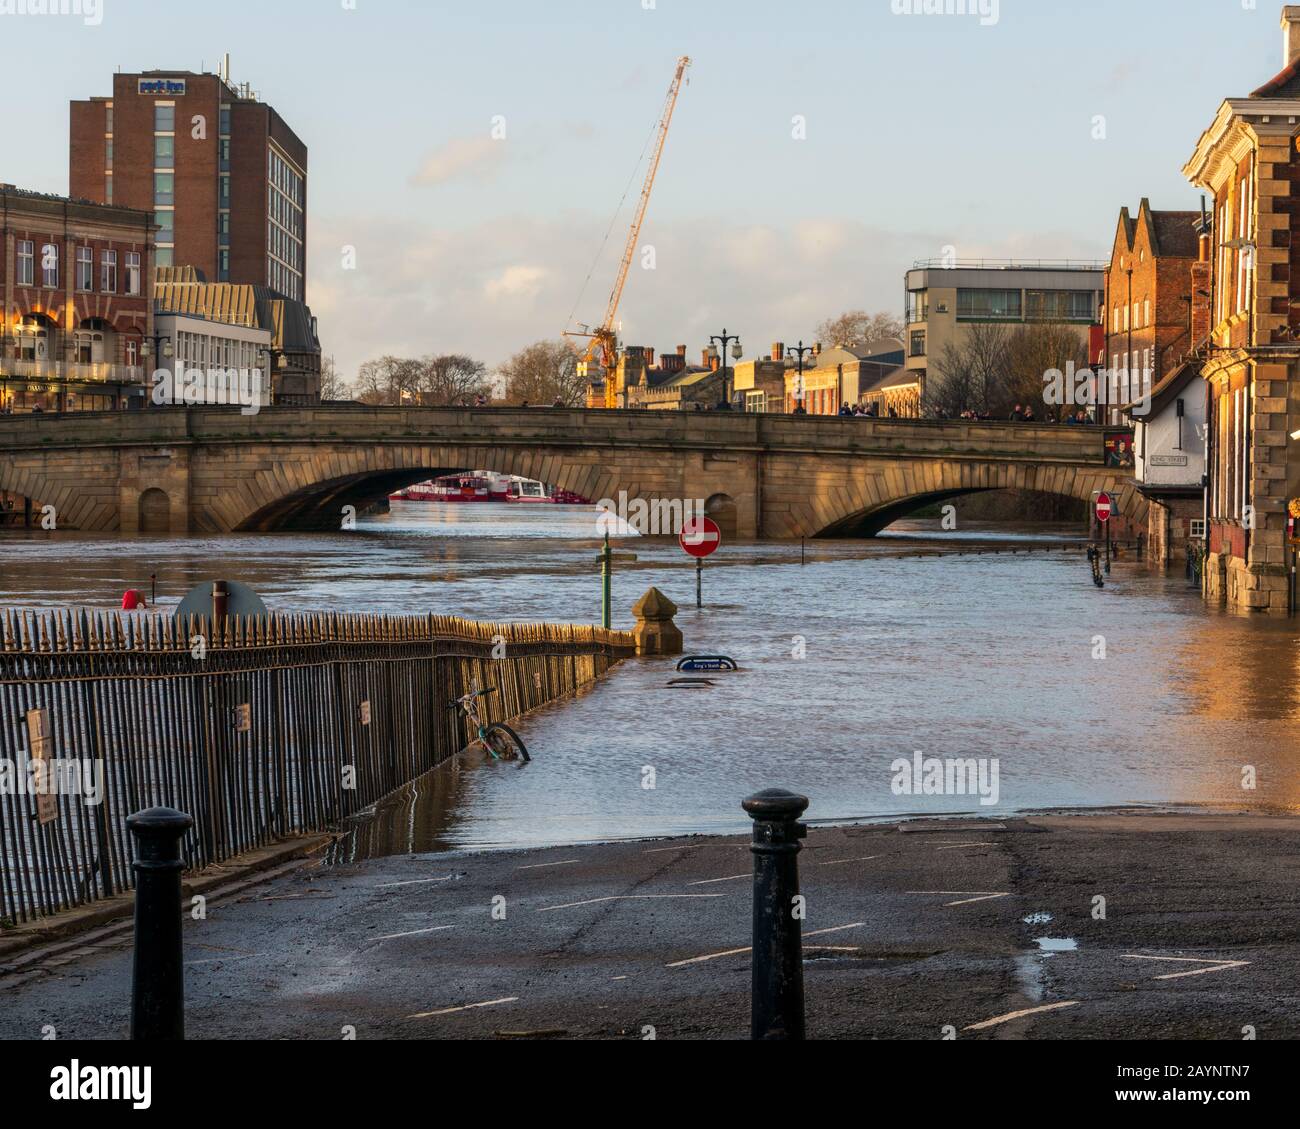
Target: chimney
(1290,34)
(706,360)
(778,350)
(681,352)
(649,358)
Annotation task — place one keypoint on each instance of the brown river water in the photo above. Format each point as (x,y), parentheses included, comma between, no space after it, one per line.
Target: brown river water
(850,662)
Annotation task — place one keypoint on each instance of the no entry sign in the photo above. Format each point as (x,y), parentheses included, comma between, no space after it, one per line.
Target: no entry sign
(1104,508)
(701,538)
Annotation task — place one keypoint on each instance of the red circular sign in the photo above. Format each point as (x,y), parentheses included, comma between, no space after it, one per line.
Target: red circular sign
(1104,507)
(701,538)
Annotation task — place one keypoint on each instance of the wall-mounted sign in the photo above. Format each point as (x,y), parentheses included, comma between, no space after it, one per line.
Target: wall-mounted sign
(243,719)
(1169,460)
(174,87)
(40,740)
(365,713)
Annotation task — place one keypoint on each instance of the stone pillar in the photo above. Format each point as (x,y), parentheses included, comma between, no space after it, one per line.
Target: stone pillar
(655,632)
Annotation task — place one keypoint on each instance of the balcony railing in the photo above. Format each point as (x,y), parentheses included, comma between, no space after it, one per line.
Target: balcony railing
(102,373)
(1010,264)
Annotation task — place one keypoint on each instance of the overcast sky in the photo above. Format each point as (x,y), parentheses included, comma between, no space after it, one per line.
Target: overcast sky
(922,132)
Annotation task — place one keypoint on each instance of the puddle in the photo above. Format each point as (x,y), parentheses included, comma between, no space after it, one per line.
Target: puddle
(1031,966)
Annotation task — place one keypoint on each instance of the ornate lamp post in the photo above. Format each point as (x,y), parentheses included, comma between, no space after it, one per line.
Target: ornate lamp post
(737,351)
(798,352)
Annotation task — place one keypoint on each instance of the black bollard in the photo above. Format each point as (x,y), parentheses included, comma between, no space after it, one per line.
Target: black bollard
(158,980)
(778,1006)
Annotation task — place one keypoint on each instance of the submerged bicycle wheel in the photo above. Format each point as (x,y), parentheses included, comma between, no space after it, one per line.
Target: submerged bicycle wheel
(506,743)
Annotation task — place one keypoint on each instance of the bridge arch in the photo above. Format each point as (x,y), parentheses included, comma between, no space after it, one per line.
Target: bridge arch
(906,487)
(313,488)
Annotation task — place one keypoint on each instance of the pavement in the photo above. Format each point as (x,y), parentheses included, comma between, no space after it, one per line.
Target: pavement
(1108,926)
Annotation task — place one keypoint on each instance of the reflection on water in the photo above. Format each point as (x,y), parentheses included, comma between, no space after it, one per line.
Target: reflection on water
(856,659)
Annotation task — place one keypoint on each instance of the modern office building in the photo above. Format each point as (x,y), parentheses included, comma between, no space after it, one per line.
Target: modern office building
(947,297)
(76,319)
(227,326)
(222,172)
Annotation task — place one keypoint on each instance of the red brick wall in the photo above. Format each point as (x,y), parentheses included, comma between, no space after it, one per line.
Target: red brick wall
(87,157)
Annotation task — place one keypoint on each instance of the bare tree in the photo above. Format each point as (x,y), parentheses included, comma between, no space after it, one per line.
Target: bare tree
(451,379)
(1032,351)
(543,374)
(332,385)
(970,376)
(388,380)
(857,328)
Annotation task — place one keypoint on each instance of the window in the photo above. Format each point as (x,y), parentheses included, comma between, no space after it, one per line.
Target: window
(167,222)
(164,119)
(26,263)
(108,153)
(164,188)
(988,305)
(164,152)
(1059,305)
(223,265)
(165,257)
(225,121)
(133,272)
(108,272)
(108,120)
(1197,529)
(918,343)
(225,189)
(50,266)
(1146,313)
(85,268)
(108,189)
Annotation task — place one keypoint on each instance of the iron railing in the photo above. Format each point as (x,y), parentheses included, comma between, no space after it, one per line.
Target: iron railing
(260,730)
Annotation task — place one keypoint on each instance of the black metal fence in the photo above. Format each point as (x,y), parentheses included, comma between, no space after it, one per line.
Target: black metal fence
(259,729)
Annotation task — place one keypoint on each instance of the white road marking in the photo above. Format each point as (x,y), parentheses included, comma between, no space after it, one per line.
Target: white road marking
(1020,1015)
(963,846)
(421,882)
(467,1007)
(628,898)
(715,881)
(749,948)
(221,960)
(842,862)
(545,865)
(414,933)
(1214,965)
(969,896)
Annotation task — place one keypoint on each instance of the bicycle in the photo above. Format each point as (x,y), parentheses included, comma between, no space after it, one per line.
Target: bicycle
(501,742)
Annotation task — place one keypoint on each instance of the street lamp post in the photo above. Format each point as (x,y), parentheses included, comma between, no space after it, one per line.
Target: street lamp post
(273,356)
(798,353)
(724,339)
(159,346)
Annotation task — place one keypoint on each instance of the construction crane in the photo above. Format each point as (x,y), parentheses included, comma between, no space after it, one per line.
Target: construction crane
(601,357)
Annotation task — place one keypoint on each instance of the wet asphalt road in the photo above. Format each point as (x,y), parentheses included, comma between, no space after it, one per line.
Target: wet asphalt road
(913,933)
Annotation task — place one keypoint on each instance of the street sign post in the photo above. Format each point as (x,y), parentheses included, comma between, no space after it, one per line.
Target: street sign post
(700,538)
(1105,509)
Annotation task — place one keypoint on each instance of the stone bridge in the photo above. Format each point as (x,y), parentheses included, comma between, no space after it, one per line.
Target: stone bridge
(213,470)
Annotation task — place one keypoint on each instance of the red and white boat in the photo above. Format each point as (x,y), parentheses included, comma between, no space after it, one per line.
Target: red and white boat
(484,486)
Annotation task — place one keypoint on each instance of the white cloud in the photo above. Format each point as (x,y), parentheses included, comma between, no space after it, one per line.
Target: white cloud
(516,282)
(465,158)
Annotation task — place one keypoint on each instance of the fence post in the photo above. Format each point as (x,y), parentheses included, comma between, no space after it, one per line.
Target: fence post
(158,980)
(778,1002)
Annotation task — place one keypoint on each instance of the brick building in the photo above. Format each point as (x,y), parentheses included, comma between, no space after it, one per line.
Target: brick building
(223,173)
(1148,304)
(1248,161)
(76,313)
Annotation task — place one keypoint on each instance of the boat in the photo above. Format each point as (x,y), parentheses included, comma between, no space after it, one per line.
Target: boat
(484,486)
(458,489)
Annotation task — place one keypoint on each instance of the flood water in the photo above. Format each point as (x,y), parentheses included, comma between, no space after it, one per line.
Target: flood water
(860,657)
